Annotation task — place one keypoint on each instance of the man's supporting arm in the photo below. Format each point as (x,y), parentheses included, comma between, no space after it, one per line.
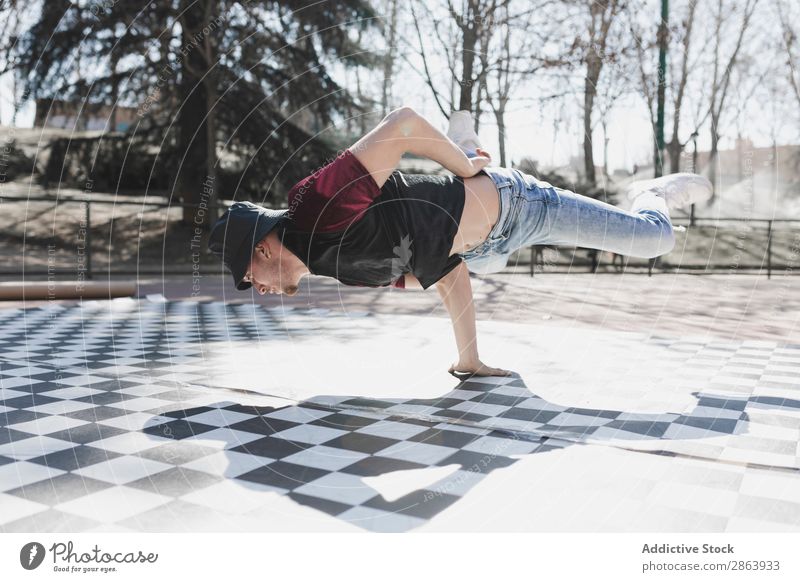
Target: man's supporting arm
(455,290)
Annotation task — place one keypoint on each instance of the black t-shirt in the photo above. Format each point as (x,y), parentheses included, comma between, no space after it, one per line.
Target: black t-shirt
(409,228)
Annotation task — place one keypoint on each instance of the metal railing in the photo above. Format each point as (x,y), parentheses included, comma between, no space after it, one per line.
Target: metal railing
(215,207)
(768,263)
(87,270)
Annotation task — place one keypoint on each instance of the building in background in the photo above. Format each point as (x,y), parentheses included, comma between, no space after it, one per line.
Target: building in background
(82,116)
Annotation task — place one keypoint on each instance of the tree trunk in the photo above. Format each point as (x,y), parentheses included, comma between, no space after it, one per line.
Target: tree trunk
(713,158)
(656,153)
(112,116)
(675,150)
(500,117)
(478,109)
(465,99)
(589,92)
(210,187)
(663,42)
(605,148)
(192,130)
(362,119)
(675,146)
(388,60)
(468,62)
(774,191)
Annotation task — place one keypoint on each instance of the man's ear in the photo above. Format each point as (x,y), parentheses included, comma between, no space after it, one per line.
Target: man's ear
(262,247)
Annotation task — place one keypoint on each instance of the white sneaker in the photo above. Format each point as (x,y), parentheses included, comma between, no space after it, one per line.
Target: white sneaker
(462,131)
(678,190)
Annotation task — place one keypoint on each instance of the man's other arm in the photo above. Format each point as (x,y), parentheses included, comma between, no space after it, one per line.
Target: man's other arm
(406,131)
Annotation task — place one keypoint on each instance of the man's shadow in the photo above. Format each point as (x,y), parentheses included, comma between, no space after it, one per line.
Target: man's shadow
(338,454)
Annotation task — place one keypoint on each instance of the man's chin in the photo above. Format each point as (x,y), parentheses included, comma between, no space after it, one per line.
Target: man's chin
(291,290)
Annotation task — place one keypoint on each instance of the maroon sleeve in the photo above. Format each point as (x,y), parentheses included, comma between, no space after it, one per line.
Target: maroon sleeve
(334,196)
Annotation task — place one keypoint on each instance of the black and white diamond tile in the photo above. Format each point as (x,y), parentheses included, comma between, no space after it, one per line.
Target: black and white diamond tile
(108,420)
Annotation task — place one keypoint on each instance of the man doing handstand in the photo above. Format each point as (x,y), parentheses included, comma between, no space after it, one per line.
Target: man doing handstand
(360,220)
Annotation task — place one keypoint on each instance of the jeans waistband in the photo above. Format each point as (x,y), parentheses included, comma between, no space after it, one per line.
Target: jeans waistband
(509,182)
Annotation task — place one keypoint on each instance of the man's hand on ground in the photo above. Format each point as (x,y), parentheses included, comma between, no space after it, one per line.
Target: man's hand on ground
(477,369)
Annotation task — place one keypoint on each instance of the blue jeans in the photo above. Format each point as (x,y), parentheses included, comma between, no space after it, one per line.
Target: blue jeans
(533,212)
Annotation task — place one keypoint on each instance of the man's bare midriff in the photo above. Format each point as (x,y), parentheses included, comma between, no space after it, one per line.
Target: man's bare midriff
(481,212)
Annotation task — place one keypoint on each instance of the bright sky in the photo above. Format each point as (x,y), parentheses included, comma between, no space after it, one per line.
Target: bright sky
(530,136)
(629,128)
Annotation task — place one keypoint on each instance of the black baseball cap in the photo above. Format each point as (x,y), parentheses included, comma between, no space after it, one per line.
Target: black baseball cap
(234,236)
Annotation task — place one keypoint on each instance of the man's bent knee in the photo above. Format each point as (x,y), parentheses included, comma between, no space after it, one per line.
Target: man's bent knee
(659,243)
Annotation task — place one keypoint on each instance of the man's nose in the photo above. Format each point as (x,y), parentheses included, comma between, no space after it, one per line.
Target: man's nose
(262,290)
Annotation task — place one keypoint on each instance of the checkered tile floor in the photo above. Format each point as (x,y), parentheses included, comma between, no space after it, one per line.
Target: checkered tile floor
(110,418)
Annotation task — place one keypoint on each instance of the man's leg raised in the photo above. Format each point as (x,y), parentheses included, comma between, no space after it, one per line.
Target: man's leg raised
(643,231)
(561,217)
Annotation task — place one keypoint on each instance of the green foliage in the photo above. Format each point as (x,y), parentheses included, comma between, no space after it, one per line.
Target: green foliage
(266,65)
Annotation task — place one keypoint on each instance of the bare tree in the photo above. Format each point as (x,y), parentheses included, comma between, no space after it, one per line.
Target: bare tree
(11,15)
(679,80)
(515,57)
(680,71)
(487,48)
(614,84)
(788,14)
(200,64)
(458,32)
(429,26)
(648,82)
(504,78)
(722,65)
(390,57)
(474,20)
(594,52)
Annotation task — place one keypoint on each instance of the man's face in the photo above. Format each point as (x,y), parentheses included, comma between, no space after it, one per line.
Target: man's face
(270,269)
